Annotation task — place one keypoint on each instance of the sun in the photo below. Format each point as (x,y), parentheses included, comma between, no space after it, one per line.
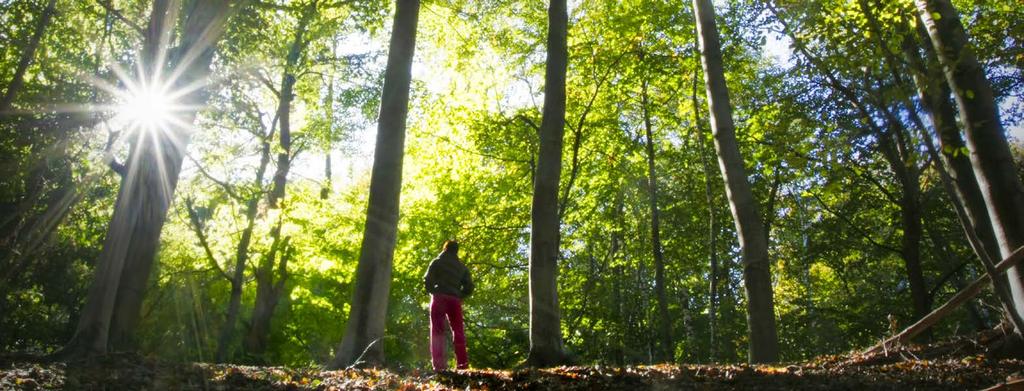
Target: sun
(147,108)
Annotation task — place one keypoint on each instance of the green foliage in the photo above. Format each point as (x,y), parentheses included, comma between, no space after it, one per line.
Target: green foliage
(825,190)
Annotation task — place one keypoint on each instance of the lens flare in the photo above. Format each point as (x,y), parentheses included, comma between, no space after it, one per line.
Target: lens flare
(147,108)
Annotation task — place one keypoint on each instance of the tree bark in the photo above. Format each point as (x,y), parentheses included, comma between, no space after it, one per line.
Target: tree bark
(712,227)
(756,268)
(986,138)
(909,181)
(284,107)
(18,79)
(667,351)
(269,291)
(111,311)
(237,279)
(325,190)
(545,327)
(365,329)
(618,350)
(934,95)
(266,294)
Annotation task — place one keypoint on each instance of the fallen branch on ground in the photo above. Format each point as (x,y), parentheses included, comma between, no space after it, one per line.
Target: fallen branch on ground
(962,297)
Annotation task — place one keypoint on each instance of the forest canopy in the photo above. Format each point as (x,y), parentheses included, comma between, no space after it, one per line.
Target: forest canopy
(631,181)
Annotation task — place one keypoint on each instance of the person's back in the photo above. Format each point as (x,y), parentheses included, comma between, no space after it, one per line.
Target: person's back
(448,282)
(447,275)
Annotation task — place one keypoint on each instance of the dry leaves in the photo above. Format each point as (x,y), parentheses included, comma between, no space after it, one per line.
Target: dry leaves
(952,365)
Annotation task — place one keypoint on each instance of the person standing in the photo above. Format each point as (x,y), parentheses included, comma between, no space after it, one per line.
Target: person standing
(448,282)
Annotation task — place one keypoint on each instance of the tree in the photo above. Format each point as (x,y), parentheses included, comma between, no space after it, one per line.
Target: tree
(934,94)
(267,288)
(986,139)
(545,326)
(665,322)
(753,241)
(112,308)
(27,56)
(364,331)
(712,224)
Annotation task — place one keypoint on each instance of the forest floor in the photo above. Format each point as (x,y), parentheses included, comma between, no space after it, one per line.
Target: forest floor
(957,364)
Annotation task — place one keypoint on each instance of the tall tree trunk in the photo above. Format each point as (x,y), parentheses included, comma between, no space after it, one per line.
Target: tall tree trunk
(365,330)
(266,296)
(986,139)
(712,226)
(237,279)
(934,95)
(982,246)
(18,79)
(764,345)
(618,351)
(227,331)
(284,107)
(545,327)
(910,216)
(325,190)
(111,311)
(667,351)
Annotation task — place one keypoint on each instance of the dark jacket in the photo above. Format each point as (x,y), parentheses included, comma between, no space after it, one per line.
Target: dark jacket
(447,275)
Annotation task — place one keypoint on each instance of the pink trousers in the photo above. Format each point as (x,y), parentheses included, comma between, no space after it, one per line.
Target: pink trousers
(447,308)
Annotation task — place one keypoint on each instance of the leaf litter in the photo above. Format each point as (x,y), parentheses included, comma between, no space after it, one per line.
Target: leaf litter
(956,364)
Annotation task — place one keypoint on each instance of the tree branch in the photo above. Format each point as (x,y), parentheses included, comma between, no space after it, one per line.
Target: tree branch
(106,4)
(197,227)
(962,297)
(854,226)
(228,188)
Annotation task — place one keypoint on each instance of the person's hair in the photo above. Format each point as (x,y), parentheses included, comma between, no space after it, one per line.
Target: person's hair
(451,246)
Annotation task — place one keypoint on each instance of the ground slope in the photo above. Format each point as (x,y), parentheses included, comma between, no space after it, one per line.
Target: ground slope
(960,364)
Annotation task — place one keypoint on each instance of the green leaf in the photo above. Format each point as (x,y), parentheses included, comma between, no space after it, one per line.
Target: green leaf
(969,94)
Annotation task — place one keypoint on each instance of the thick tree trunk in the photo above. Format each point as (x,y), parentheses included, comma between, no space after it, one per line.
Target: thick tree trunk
(934,95)
(545,327)
(284,157)
(18,79)
(667,351)
(111,311)
(959,177)
(764,345)
(986,139)
(363,341)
